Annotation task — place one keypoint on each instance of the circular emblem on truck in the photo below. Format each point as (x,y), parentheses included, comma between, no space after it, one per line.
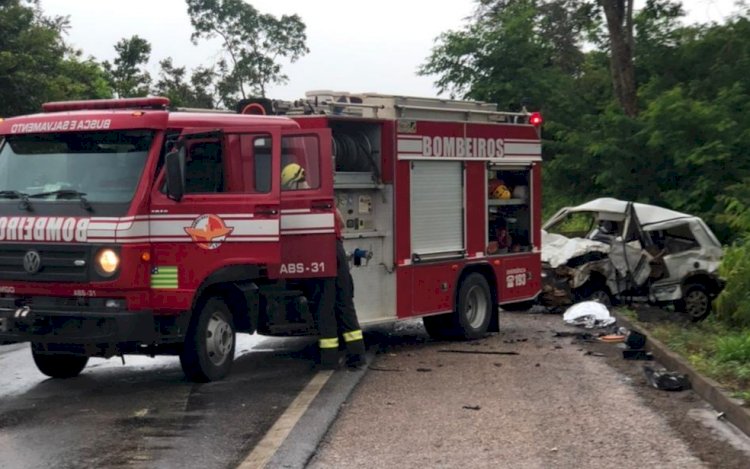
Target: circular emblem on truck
(209,231)
(32,262)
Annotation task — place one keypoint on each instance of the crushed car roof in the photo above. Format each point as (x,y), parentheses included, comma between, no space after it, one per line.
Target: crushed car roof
(647,214)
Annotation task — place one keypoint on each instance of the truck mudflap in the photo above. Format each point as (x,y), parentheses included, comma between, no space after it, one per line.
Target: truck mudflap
(76,327)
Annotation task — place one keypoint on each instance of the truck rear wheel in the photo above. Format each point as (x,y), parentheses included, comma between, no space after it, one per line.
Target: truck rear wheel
(58,365)
(473,312)
(208,351)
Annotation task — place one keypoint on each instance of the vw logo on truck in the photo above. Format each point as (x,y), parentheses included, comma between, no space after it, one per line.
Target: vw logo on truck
(32,262)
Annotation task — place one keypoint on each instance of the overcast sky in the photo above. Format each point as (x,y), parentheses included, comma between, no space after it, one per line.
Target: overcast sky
(355,45)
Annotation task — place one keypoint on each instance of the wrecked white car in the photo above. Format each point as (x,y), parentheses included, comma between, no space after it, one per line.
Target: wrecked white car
(610,250)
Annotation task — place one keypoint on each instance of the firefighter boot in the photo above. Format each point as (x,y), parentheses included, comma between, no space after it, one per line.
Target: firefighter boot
(329,354)
(355,349)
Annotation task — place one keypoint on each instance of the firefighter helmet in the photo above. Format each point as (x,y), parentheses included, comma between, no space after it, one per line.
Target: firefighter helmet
(500,192)
(292,174)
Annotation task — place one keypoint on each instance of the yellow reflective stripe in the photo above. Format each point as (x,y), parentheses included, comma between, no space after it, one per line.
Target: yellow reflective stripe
(352,336)
(329,343)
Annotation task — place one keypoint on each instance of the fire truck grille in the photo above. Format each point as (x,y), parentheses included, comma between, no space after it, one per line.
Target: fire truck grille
(53,263)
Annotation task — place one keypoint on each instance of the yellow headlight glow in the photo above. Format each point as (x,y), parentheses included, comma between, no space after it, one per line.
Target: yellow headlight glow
(107,262)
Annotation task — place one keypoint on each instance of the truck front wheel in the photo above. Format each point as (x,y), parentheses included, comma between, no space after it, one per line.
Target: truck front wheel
(208,351)
(58,365)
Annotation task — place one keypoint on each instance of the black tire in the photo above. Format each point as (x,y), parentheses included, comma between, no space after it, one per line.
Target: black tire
(58,365)
(472,316)
(594,292)
(474,307)
(520,306)
(695,302)
(208,352)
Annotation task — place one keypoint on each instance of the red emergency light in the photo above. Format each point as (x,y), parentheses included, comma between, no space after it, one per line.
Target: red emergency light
(535,119)
(255,109)
(97,104)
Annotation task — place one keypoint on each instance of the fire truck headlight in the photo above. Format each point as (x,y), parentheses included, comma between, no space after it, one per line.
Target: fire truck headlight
(107,262)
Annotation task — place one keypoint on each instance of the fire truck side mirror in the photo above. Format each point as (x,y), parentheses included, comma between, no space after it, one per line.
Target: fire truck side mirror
(176,174)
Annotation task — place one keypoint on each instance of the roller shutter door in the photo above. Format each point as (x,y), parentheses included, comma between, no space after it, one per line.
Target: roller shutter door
(437,208)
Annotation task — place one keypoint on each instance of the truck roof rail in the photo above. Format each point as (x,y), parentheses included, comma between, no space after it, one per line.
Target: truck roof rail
(204,110)
(159,103)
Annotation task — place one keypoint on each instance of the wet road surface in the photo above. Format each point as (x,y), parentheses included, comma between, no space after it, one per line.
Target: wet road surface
(146,414)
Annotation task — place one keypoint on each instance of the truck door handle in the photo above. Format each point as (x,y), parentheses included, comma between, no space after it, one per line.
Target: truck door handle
(322,205)
(266,211)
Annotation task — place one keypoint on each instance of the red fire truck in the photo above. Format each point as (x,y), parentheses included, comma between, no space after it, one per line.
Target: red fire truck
(127,227)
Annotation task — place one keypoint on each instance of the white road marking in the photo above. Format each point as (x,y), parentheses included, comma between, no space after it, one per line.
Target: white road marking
(267,446)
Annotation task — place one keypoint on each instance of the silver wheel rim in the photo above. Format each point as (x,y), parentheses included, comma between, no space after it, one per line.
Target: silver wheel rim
(600,296)
(219,339)
(476,306)
(696,303)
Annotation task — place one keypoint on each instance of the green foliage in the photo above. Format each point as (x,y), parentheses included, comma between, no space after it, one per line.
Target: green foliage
(253,43)
(183,91)
(734,348)
(715,349)
(733,304)
(35,63)
(127,75)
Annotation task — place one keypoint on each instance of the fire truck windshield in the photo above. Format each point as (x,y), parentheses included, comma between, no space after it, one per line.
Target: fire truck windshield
(102,166)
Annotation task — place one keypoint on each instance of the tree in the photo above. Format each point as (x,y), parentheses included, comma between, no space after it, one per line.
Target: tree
(127,75)
(174,84)
(35,63)
(619,15)
(253,43)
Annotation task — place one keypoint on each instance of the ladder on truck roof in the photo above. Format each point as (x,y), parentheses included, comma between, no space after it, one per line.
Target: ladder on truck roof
(383,106)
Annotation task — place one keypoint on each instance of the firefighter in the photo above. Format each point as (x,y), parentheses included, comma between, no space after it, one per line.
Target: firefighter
(293,178)
(337,315)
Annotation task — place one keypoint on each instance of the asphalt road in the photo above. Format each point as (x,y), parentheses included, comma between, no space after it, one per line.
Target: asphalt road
(523,398)
(145,414)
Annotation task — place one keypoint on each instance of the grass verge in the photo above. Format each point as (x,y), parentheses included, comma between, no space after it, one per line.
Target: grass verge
(712,348)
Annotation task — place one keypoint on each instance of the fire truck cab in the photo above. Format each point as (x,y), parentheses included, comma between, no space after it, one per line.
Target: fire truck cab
(127,227)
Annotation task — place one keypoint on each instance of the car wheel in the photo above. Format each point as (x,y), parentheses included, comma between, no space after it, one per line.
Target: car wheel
(208,352)
(58,365)
(695,302)
(594,292)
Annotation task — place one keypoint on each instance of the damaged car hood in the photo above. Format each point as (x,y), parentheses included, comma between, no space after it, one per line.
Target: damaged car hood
(557,249)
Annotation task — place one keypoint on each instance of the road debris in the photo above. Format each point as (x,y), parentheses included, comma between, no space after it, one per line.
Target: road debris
(472,407)
(666,380)
(637,355)
(612,338)
(478,352)
(378,368)
(589,314)
(635,340)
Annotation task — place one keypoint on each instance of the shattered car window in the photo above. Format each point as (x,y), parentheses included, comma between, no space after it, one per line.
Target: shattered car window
(676,239)
(575,225)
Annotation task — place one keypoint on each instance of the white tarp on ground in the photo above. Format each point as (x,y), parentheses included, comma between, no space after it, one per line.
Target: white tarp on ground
(558,249)
(589,314)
